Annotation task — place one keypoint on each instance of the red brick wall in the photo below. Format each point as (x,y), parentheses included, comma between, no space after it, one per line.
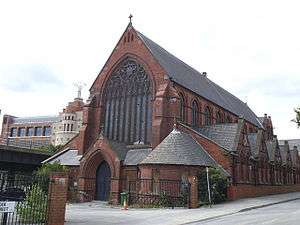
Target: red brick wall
(246,190)
(57,198)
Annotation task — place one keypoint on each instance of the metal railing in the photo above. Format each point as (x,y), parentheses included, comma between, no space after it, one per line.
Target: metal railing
(162,193)
(30,196)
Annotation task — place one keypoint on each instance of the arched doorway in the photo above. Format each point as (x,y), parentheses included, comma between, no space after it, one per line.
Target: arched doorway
(103,176)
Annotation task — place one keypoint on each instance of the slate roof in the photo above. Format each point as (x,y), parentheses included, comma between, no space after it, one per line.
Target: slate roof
(261,119)
(283,154)
(271,148)
(252,138)
(179,148)
(191,79)
(135,156)
(36,119)
(294,156)
(119,148)
(223,134)
(292,143)
(67,157)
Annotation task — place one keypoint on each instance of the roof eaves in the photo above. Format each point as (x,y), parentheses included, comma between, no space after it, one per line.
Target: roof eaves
(56,155)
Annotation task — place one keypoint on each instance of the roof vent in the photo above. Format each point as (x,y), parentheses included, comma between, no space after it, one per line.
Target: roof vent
(204,74)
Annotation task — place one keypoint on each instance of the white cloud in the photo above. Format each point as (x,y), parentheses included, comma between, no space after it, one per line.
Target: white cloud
(251,48)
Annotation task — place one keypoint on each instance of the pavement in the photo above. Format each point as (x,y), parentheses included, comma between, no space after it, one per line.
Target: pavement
(287,213)
(100,213)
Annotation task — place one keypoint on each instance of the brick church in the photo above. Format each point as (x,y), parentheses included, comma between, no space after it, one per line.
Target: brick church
(152,116)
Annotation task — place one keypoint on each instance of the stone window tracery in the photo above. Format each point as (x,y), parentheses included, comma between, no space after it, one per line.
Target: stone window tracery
(127,101)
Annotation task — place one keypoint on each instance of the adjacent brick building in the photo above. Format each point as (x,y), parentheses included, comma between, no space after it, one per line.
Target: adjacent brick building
(34,132)
(27,132)
(128,129)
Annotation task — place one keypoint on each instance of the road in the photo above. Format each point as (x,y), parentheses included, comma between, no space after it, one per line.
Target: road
(281,214)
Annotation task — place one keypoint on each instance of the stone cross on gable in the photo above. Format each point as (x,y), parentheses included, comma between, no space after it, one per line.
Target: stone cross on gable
(130,18)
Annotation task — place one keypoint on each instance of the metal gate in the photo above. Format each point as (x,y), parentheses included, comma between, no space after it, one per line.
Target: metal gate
(23,199)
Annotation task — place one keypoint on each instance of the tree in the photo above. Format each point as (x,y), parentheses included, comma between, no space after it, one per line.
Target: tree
(48,168)
(297,119)
(218,186)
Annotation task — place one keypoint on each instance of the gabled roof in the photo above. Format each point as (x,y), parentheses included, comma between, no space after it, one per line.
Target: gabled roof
(179,148)
(294,157)
(186,76)
(261,119)
(271,148)
(223,134)
(283,154)
(253,144)
(135,156)
(66,157)
(119,148)
(292,143)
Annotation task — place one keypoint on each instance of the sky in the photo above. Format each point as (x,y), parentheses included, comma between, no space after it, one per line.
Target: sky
(250,48)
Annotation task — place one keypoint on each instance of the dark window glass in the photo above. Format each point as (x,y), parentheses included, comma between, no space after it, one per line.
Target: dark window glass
(182,108)
(47,131)
(38,131)
(30,131)
(13,132)
(207,116)
(195,114)
(219,117)
(227,119)
(22,132)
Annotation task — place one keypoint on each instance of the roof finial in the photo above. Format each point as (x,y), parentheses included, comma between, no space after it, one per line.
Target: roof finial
(130,18)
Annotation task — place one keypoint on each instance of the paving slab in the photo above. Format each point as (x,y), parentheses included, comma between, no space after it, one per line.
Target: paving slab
(95,213)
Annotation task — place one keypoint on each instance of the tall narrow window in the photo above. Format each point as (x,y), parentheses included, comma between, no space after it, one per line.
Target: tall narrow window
(13,132)
(227,119)
(181,108)
(127,101)
(207,116)
(195,114)
(219,118)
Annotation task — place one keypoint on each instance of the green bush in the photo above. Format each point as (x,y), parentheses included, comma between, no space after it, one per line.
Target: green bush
(48,168)
(34,208)
(218,186)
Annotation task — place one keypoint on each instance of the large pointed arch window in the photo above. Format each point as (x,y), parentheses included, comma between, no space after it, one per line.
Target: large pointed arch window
(195,114)
(181,108)
(207,116)
(127,101)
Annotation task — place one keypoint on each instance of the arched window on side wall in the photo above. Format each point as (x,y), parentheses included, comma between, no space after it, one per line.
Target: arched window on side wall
(195,114)
(207,116)
(182,108)
(219,118)
(227,119)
